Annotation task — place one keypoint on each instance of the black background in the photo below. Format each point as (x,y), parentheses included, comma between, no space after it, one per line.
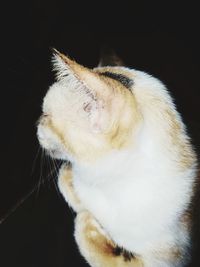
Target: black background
(163,41)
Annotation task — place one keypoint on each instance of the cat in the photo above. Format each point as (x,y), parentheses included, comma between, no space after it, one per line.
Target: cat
(132,171)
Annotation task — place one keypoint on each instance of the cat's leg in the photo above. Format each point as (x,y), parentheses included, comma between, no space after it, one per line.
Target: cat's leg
(66,188)
(97,248)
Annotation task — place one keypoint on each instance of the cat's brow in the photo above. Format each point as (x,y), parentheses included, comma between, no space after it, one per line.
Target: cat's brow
(127,82)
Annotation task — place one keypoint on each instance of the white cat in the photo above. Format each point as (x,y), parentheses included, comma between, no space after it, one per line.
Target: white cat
(133,169)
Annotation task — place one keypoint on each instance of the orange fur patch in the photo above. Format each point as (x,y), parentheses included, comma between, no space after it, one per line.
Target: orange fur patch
(98,249)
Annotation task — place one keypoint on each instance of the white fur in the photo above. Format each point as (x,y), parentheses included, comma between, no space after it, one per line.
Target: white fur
(138,194)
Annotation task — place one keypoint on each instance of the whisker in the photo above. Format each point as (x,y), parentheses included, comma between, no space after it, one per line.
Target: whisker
(57,172)
(41,173)
(35,159)
(36,187)
(51,172)
(19,203)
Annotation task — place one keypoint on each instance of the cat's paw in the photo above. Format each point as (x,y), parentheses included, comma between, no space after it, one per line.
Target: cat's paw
(86,224)
(65,184)
(92,239)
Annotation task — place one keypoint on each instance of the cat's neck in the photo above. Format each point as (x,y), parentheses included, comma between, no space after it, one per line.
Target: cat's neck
(145,159)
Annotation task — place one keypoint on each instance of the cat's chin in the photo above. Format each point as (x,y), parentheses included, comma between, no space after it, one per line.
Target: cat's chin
(56,154)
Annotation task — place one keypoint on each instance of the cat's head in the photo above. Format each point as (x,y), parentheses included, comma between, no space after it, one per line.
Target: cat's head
(87,113)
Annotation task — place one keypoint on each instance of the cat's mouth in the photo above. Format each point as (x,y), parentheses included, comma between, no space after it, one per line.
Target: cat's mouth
(49,141)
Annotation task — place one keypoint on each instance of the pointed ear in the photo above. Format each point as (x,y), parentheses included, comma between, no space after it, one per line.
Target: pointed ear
(91,89)
(87,79)
(64,66)
(109,58)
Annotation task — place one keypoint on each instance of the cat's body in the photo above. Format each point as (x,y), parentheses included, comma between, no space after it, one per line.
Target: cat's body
(133,169)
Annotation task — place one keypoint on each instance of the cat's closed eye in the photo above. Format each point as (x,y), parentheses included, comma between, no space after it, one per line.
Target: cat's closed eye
(124,80)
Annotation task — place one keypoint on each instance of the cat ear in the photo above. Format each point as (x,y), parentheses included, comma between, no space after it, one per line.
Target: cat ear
(91,89)
(109,58)
(65,67)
